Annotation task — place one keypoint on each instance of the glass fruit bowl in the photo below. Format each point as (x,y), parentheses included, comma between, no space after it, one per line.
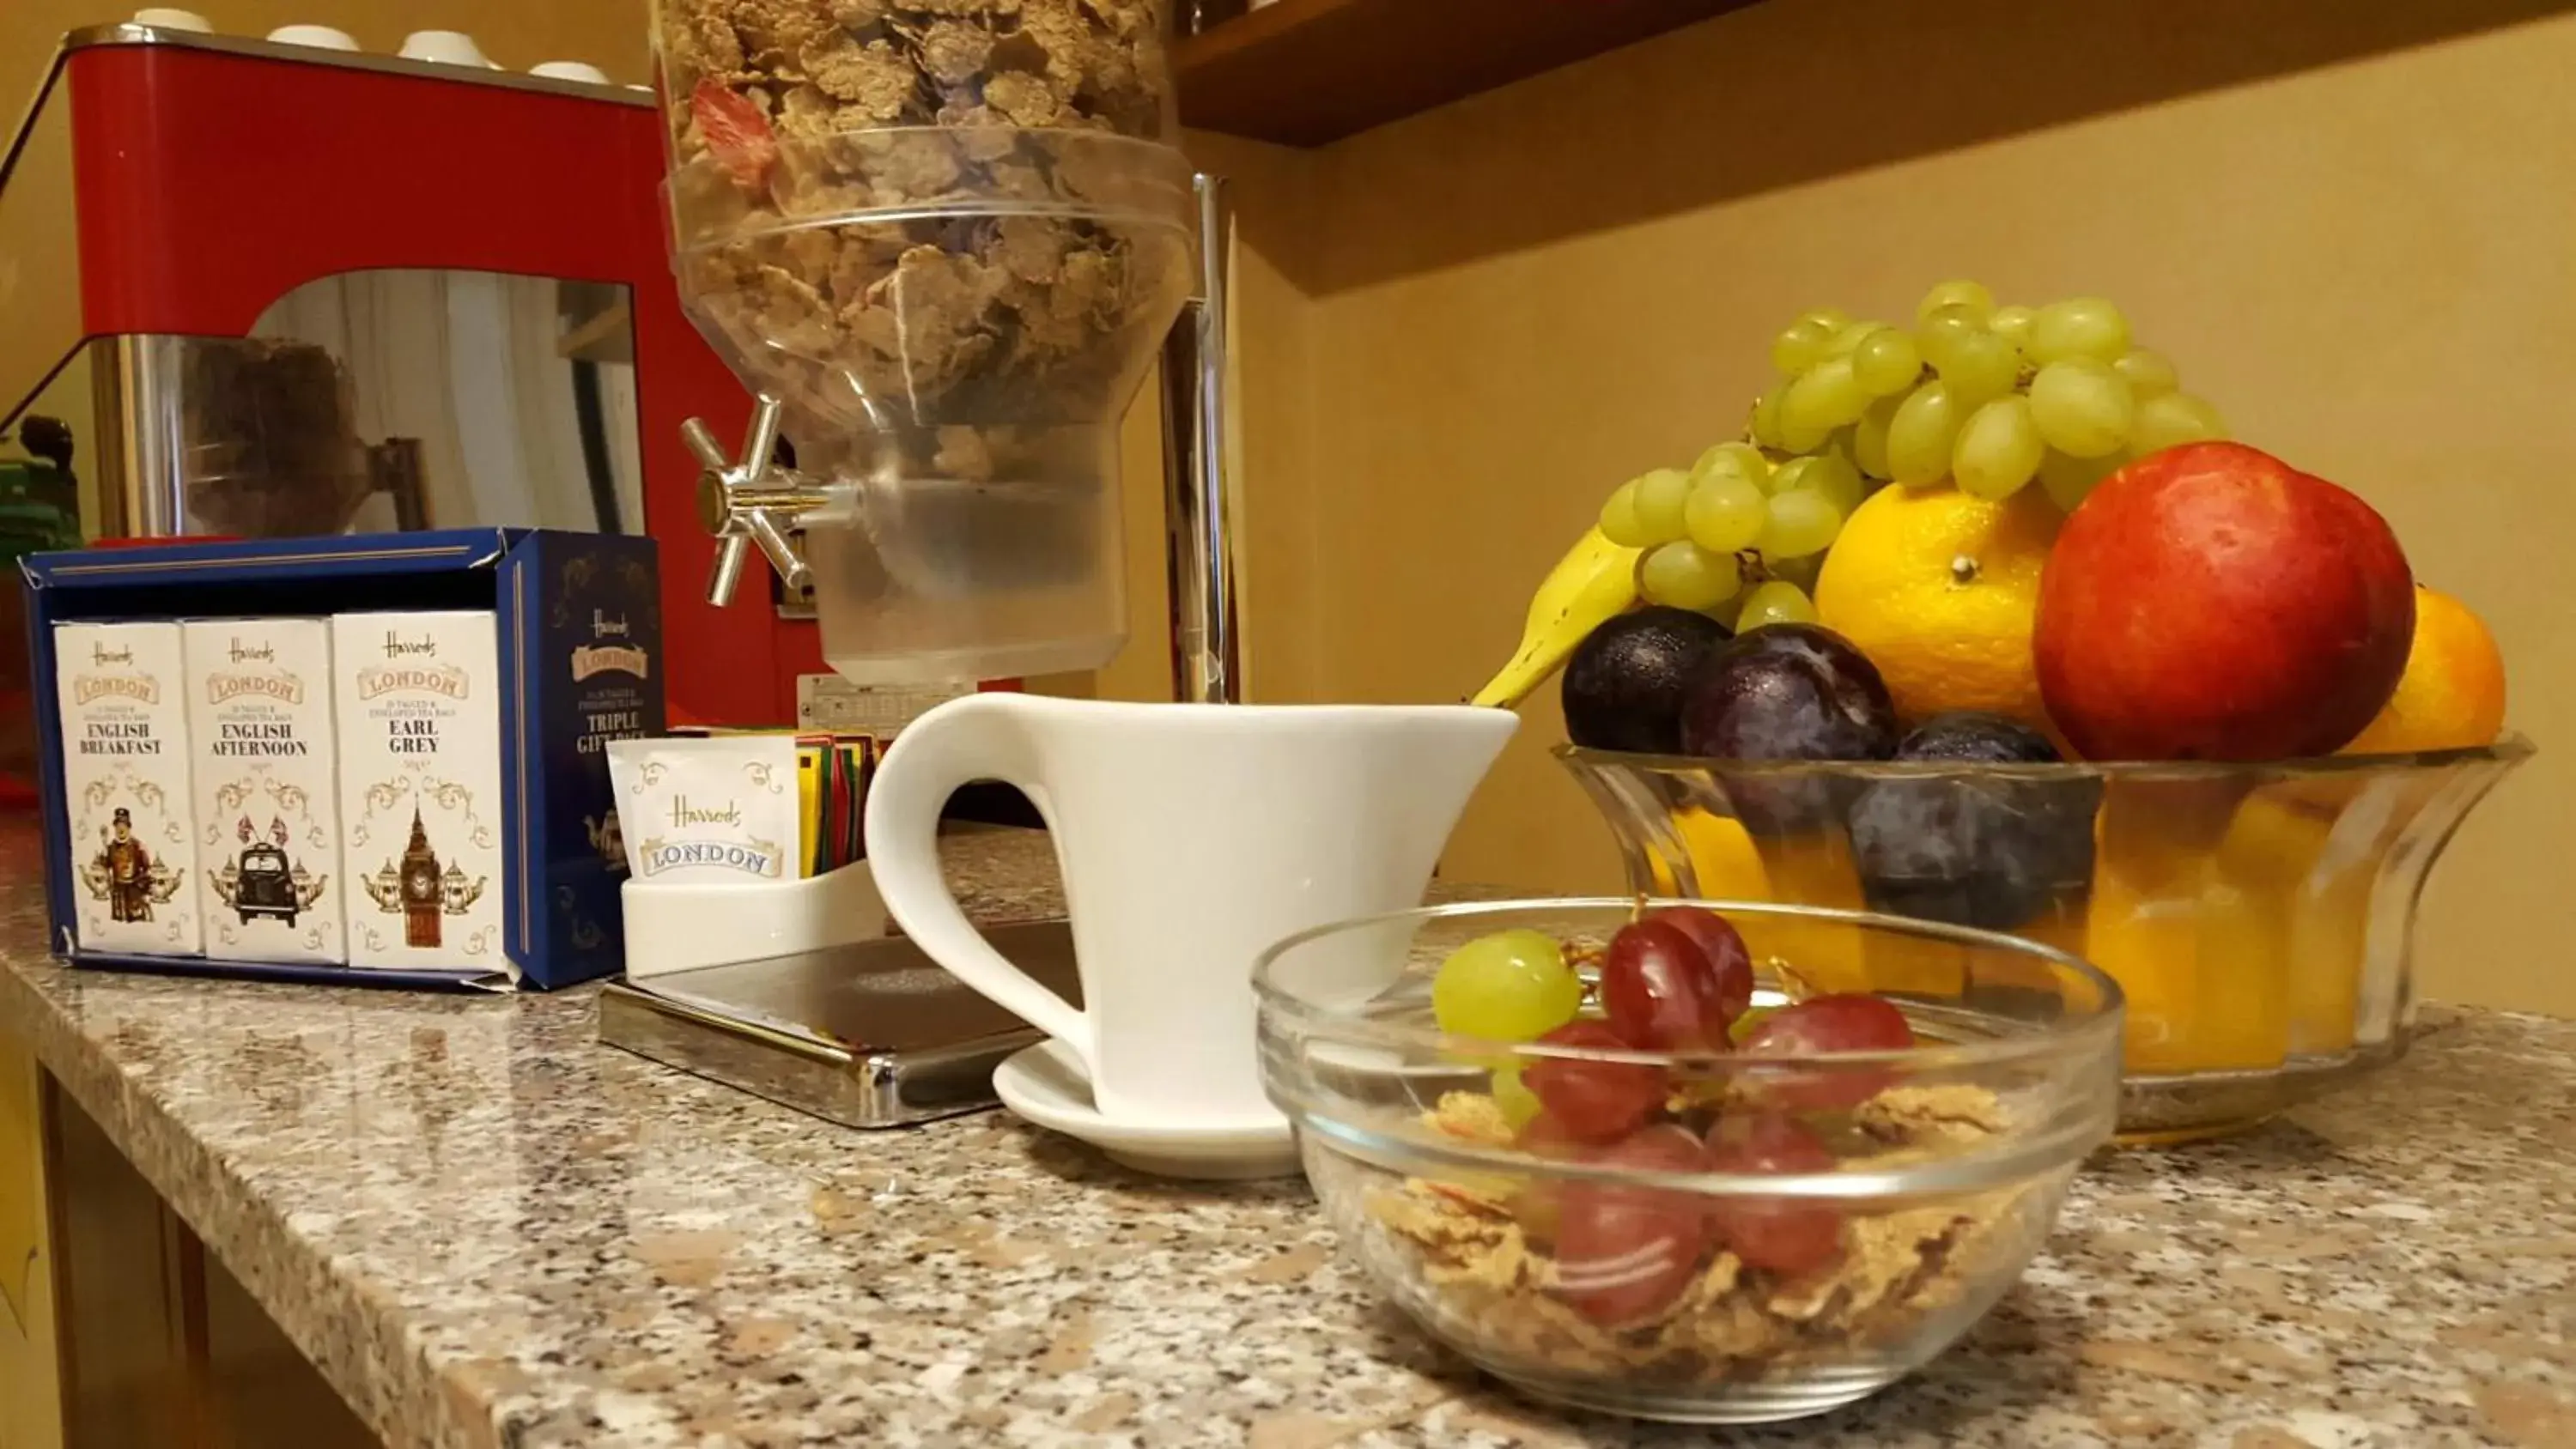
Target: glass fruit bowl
(1775,1236)
(2259,917)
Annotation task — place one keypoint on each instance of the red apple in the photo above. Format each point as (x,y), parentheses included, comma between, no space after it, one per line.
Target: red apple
(2211,602)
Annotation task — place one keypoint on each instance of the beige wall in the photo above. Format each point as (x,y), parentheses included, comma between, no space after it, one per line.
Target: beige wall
(2351,222)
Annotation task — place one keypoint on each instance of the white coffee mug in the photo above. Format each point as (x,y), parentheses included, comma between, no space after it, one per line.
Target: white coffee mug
(1190,837)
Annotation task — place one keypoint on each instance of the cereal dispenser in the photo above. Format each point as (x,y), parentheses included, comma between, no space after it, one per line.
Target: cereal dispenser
(942,243)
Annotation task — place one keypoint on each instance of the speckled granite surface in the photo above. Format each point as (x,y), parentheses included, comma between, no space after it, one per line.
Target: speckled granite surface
(489,1231)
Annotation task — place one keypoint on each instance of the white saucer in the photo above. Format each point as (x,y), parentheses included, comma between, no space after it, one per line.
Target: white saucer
(1045,1084)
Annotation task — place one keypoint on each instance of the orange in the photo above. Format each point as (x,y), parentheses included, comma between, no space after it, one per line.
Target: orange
(1941,591)
(1724,865)
(1812,868)
(2452,693)
(2191,948)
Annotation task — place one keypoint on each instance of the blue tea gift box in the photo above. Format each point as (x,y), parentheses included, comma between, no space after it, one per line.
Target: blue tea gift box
(578,621)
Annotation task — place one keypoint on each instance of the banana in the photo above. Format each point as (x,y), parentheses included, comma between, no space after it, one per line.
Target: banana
(1594,581)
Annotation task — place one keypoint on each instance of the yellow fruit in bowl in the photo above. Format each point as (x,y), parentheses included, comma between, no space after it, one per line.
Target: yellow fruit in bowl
(2188,944)
(1724,865)
(2451,696)
(1941,591)
(2306,881)
(1812,868)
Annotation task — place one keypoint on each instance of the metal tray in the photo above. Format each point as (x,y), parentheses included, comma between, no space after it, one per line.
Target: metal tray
(870,1035)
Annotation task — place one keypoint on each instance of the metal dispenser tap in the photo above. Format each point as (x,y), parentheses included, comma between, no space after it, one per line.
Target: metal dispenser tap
(753,501)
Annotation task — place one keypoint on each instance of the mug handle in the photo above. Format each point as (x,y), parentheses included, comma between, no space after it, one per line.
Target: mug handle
(974,737)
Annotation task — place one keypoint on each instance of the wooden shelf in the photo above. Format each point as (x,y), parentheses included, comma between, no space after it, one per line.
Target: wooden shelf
(1305,72)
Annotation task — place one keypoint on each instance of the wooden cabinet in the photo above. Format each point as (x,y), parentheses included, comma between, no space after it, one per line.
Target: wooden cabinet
(30,1375)
(116,1329)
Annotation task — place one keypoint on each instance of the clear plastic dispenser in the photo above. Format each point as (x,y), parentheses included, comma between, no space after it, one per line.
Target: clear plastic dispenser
(943,246)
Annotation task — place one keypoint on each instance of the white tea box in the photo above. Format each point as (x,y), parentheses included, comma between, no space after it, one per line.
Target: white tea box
(124,711)
(269,882)
(418,698)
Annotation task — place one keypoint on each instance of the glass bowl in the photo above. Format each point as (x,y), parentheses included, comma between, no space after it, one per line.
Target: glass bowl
(1695,1295)
(2260,918)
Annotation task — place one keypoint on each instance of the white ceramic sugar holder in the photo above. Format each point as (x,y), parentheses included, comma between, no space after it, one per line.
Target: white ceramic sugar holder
(683,926)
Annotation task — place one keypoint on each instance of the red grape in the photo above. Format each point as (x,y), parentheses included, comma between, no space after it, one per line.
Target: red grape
(1544,1136)
(1660,991)
(1724,947)
(1849,1023)
(1594,1101)
(1783,1235)
(1624,1253)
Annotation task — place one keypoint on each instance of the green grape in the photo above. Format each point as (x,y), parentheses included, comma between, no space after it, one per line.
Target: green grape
(2012,324)
(1972,296)
(1513,1098)
(1823,398)
(1832,319)
(1869,438)
(2149,374)
(1833,476)
(1509,986)
(1802,440)
(1919,437)
(1848,339)
(1799,523)
(1800,345)
(1791,474)
(1886,361)
(1765,426)
(1725,513)
(2082,407)
(1937,336)
(1998,450)
(1981,368)
(1775,602)
(2078,327)
(1661,498)
(2171,418)
(1731,460)
(1619,517)
(1839,445)
(2069,480)
(1687,576)
(1799,573)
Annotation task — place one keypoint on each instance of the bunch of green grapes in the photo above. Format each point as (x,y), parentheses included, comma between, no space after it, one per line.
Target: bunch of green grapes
(1990,397)
(1737,535)
(1987,397)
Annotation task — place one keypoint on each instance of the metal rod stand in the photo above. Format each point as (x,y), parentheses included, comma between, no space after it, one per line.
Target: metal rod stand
(1199,518)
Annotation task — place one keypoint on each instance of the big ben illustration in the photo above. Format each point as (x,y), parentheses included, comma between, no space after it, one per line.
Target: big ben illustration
(421,900)
(423,891)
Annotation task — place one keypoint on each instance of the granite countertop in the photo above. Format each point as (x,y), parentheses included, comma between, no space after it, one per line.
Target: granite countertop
(488,1230)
